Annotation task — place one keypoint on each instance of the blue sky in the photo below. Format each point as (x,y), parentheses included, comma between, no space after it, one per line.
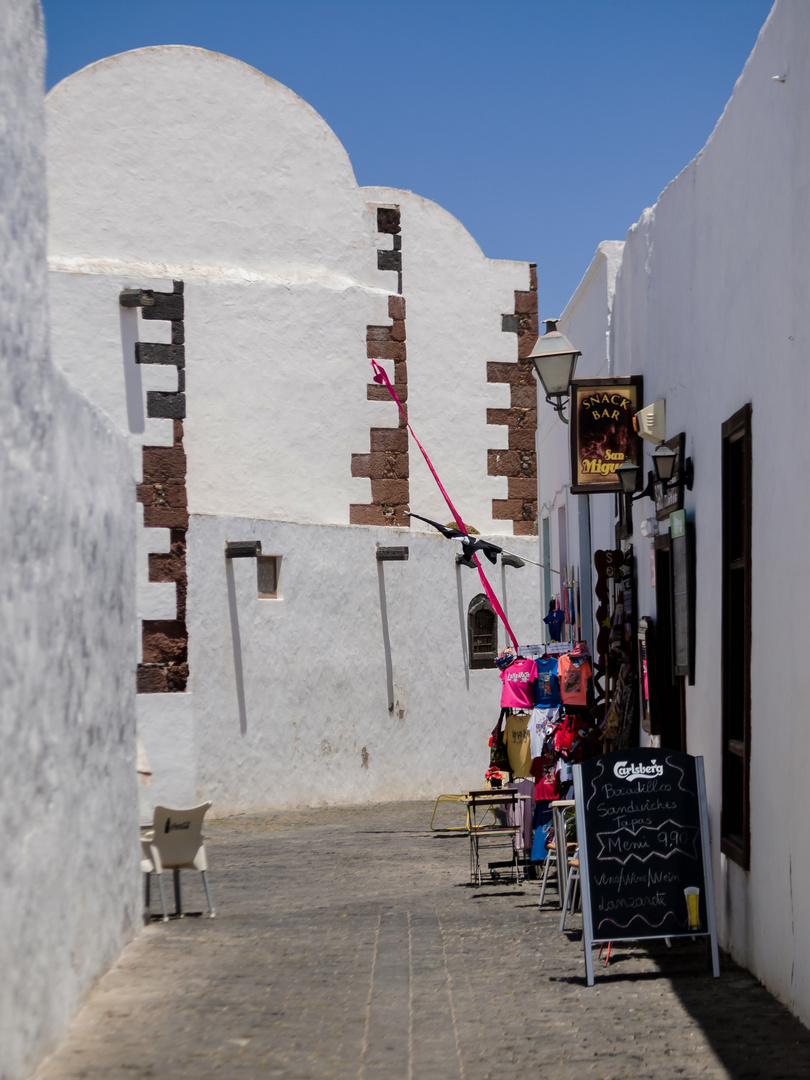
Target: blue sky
(545,126)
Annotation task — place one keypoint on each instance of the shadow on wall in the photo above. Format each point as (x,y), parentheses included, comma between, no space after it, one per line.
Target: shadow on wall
(133,384)
(236,640)
(389,666)
(462,626)
(504,593)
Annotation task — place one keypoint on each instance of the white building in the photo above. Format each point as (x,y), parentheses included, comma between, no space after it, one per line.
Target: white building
(70,876)
(706,299)
(208,214)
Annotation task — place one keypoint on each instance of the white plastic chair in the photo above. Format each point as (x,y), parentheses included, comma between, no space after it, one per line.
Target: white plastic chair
(175,843)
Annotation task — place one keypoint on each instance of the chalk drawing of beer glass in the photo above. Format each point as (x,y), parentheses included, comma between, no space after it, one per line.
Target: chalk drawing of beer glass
(692,894)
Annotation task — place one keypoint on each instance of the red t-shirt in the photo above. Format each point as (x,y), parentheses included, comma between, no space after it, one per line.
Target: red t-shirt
(518,690)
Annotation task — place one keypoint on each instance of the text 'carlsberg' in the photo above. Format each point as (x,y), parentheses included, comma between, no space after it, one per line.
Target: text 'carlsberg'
(637,772)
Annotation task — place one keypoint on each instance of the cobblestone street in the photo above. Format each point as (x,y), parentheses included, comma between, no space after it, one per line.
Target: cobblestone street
(348,944)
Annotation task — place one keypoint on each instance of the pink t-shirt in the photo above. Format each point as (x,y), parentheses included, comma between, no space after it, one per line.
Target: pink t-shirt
(517,680)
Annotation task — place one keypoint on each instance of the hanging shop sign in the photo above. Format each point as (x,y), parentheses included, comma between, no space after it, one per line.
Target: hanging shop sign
(602,433)
(669,495)
(643,832)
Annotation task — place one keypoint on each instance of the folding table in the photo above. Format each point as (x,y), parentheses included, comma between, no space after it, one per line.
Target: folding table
(486,799)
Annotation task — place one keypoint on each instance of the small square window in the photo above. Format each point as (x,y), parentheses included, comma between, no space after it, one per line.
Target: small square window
(267,574)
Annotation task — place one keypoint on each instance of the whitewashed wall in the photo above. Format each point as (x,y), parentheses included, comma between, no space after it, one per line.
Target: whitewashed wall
(291,696)
(237,187)
(242,191)
(589,520)
(711,308)
(455,298)
(69,883)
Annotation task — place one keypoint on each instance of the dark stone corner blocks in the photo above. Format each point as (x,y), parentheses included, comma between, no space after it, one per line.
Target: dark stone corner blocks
(519,462)
(163,493)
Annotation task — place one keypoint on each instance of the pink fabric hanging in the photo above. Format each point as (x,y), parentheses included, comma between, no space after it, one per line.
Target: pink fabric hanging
(381,378)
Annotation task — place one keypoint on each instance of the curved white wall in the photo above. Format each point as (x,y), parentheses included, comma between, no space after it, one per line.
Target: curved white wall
(176,163)
(237,186)
(175,151)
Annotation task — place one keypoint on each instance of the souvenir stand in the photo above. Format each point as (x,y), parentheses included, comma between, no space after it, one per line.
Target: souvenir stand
(545,725)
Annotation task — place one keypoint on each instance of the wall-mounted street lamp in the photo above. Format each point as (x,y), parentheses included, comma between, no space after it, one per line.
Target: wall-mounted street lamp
(628,474)
(663,459)
(554,359)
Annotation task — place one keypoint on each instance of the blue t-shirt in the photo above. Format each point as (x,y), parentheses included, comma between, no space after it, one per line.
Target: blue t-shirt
(554,621)
(547,687)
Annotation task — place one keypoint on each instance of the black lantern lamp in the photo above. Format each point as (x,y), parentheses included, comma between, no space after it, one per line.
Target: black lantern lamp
(554,359)
(663,459)
(628,474)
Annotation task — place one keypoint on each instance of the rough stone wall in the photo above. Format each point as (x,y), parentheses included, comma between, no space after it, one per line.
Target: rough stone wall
(163,494)
(519,462)
(386,464)
(69,876)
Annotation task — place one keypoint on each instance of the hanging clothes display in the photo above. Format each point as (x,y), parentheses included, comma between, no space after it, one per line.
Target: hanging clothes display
(554,620)
(518,744)
(545,728)
(574,671)
(518,684)
(547,688)
(522,815)
(542,725)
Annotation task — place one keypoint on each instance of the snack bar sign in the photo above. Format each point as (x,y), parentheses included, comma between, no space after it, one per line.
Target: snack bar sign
(602,432)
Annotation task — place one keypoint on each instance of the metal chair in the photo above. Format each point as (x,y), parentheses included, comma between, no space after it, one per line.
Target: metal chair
(493,799)
(562,817)
(572,889)
(449,828)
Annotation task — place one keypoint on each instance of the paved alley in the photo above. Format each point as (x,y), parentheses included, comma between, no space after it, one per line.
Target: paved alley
(348,944)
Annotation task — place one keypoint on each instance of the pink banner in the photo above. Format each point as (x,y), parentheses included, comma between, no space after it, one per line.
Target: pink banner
(381,378)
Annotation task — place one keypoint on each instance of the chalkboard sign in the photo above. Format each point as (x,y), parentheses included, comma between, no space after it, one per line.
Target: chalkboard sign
(644,848)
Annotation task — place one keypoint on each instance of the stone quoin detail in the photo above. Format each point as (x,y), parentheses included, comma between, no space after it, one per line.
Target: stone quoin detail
(518,463)
(163,494)
(386,465)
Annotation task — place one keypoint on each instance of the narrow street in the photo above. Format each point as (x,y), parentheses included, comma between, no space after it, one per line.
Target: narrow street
(348,944)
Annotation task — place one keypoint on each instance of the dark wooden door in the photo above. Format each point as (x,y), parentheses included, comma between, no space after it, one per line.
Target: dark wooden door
(671,689)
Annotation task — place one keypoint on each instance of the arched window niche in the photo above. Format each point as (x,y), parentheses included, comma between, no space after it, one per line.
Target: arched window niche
(482,632)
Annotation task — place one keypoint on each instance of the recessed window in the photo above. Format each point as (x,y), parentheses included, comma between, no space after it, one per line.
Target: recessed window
(267,575)
(482,628)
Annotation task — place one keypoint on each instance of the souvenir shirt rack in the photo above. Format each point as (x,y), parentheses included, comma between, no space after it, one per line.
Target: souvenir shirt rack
(553,648)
